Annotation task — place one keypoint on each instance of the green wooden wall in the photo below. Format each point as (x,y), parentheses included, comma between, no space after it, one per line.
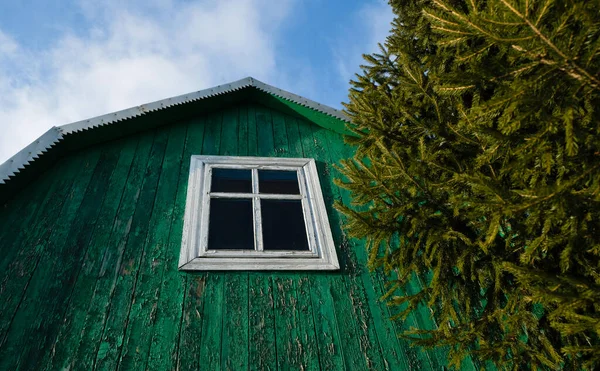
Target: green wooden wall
(89,279)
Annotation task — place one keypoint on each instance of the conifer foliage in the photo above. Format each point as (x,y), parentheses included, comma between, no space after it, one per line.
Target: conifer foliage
(477,172)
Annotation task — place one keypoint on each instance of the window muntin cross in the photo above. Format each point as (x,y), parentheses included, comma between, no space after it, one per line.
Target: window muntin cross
(257,211)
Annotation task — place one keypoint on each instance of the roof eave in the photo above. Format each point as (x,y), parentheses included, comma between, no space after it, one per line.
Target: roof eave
(29,154)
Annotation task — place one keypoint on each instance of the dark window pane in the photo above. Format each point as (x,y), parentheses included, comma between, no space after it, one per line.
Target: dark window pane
(276,181)
(230,225)
(231,180)
(283,225)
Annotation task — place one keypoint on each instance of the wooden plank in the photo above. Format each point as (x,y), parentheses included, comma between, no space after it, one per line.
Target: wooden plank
(234,348)
(307,338)
(17,214)
(28,248)
(212,319)
(264,130)
(168,328)
(29,203)
(107,276)
(59,272)
(234,342)
(262,348)
(314,328)
(22,205)
(23,333)
(147,290)
(122,300)
(212,323)
(24,249)
(293,137)
(10,212)
(36,199)
(335,291)
(188,346)
(252,131)
(212,134)
(286,323)
(66,342)
(243,131)
(327,332)
(191,326)
(229,133)
(262,351)
(280,139)
(294,351)
(395,354)
(370,345)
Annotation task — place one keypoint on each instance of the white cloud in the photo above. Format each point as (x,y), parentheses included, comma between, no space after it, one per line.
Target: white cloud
(7,45)
(133,54)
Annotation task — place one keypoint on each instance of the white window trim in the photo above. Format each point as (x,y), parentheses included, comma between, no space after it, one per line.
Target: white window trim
(194,254)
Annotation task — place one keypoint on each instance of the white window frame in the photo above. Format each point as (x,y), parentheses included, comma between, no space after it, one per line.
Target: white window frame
(195,254)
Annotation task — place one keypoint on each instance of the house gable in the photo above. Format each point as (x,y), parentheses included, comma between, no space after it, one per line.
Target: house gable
(58,141)
(92,279)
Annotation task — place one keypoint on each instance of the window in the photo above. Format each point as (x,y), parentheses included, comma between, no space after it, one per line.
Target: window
(255,213)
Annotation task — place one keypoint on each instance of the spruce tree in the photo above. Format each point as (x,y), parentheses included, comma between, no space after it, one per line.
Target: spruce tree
(477,171)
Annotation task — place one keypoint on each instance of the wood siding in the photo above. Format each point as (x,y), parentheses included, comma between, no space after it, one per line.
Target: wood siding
(89,279)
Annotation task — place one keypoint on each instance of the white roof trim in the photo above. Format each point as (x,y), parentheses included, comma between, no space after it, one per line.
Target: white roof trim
(30,153)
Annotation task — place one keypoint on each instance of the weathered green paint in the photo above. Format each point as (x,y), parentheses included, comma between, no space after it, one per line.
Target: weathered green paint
(187,350)
(76,308)
(89,275)
(85,352)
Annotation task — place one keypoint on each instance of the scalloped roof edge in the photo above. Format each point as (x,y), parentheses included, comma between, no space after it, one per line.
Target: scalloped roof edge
(52,137)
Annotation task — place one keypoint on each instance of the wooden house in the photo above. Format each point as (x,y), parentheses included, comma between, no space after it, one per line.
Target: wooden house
(196,232)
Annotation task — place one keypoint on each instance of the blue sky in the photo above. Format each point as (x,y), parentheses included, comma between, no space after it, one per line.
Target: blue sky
(66,60)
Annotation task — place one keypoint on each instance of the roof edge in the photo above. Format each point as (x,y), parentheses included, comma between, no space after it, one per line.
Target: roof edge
(198,95)
(158,105)
(29,154)
(300,100)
